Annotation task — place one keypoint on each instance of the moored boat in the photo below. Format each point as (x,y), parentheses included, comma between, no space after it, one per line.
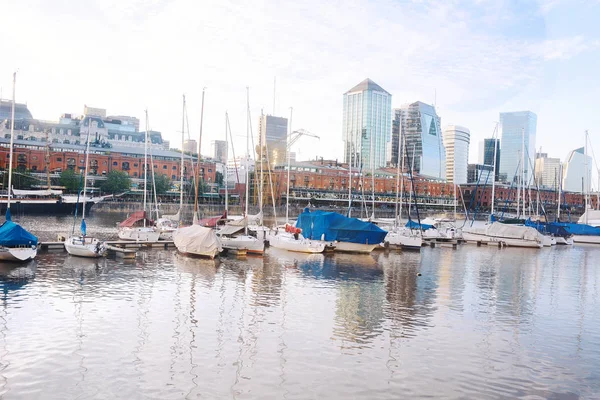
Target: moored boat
(509,235)
(198,241)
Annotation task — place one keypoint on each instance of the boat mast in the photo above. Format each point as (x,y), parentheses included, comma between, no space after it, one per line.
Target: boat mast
(181,167)
(350,181)
(145,165)
(372,174)
(287,196)
(585,178)
(85,173)
(494,166)
(559,190)
(398,208)
(247,157)
(226,153)
(262,177)
(523,167)
(197,177)
(10,152)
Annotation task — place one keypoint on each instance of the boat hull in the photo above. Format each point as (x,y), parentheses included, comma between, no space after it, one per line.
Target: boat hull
(85,247)
(251,244)
(17,254)
(586,239)
(43,207)
(139,234)
(398,240)
(288,242)
(564,241)
(347,247)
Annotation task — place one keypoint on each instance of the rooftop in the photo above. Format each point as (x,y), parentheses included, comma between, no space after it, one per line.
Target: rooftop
(367,84)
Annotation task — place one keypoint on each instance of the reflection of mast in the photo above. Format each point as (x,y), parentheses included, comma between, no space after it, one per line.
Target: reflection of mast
(193,327)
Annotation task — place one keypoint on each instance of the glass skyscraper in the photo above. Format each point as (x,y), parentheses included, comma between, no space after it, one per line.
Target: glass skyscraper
(273,135)
(366,125)
(514,128)
(420,125)
(486,154)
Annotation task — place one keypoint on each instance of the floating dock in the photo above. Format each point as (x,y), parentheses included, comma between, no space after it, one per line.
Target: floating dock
(120,248)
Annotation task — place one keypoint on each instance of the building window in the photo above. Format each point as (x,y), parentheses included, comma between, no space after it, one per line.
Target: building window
(174,167)
(135,174)
(34,168)
(210,170)
(34,158)
(135,164)
(115,163)
(125,166)
(164,167)
(104,162)
(173,177)
(59,159)
(155,166)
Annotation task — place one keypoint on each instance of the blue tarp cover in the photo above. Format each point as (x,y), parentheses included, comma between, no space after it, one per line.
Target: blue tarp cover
(12,234)
(415,225)
(335,226)
(576,229)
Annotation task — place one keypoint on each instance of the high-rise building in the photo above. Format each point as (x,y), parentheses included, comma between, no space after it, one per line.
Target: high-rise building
(479,173)
(273,135)
(190,146)
(456,143)
(516,128)
(366,129)
(486,154)
(419,124)
(574,175)
(219,150)
(547,171)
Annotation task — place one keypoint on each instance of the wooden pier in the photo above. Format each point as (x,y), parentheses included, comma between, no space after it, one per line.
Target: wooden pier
(120,248)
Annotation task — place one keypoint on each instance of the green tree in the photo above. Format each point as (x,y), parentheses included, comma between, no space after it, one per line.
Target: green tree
(116,182)
(162,183)
(70,180)
(20,180)
(219,178)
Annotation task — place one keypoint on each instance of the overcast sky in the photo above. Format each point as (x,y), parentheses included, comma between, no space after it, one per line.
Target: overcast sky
(481,57)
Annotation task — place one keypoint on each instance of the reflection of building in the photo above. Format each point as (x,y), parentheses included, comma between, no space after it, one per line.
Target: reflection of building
(547,171)
(219,150)
(420,125)
(486,153)
(273,134)
(456,144)
(516,127)
(366,125)
(574,174)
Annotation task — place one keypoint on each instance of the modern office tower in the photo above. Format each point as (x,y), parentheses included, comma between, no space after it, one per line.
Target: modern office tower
(366,125)
(517,131)
(273,135)
(190,146)
(419,124)
(219,150)
(547,171)
(574,176)
(456,143)
(486,153)
(479,173)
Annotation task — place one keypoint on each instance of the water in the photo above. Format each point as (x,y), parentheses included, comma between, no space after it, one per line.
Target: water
(477,323)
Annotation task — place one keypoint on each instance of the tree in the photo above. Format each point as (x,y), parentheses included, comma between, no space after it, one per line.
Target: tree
(219,178)
(20,180)
(70,180)
(162,183)
(116,182)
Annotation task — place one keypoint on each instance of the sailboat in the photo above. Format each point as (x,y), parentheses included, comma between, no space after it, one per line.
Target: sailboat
(138,226)
(16,244)
(83,245)
(229,234)
(197,240)
(401,237)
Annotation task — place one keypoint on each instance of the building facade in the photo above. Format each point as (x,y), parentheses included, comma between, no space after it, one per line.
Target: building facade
(273,139)
(547,171)
(574,176)
(517,128)
(219,150)
(456,144)
(419,129)
(366,125)
(479,173)
(486,154)
(190,146)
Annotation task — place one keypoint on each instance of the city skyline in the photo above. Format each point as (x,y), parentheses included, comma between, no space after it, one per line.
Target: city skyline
(471,60)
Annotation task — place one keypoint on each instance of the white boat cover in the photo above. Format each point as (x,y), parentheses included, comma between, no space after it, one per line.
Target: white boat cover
(174,218)
(590,217)
(46,192)
(197,239)
(501,230)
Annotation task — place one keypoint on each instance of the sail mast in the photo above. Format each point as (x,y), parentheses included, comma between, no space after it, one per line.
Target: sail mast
(85,174)
(585,178)
(226,154)
(494,166)
(523,167)
(372,174)
(287,196)
(10,152)
(197,177)
(181,167)
(145,165)
(247,157)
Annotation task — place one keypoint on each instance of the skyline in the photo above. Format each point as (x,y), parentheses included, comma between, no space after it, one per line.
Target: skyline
(473,62)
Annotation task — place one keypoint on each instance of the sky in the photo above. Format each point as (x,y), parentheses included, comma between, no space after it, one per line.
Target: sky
(472,58)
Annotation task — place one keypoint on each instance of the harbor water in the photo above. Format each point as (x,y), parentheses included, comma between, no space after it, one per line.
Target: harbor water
(475,322)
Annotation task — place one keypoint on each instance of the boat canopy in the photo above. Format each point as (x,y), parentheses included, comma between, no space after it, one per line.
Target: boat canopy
(212,222)
(576,229)
(228,229)
(415,225)
(46,192)
(12,234)
(322,225)
(136,219)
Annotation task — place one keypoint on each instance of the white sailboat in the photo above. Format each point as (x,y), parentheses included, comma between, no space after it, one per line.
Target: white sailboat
(83,245)
(16,244)
(138,227)
(230,236)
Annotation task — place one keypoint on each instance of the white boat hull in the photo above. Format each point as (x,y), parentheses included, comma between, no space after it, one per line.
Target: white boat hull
(564,241)
(286,241)
(347,247)
(85,247)
(477,237)
(139,234)
(251,244)
(586,239)
(398,240)
(547,241)
(17,254)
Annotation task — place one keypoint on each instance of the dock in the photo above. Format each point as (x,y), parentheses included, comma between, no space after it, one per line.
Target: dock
(120,248)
